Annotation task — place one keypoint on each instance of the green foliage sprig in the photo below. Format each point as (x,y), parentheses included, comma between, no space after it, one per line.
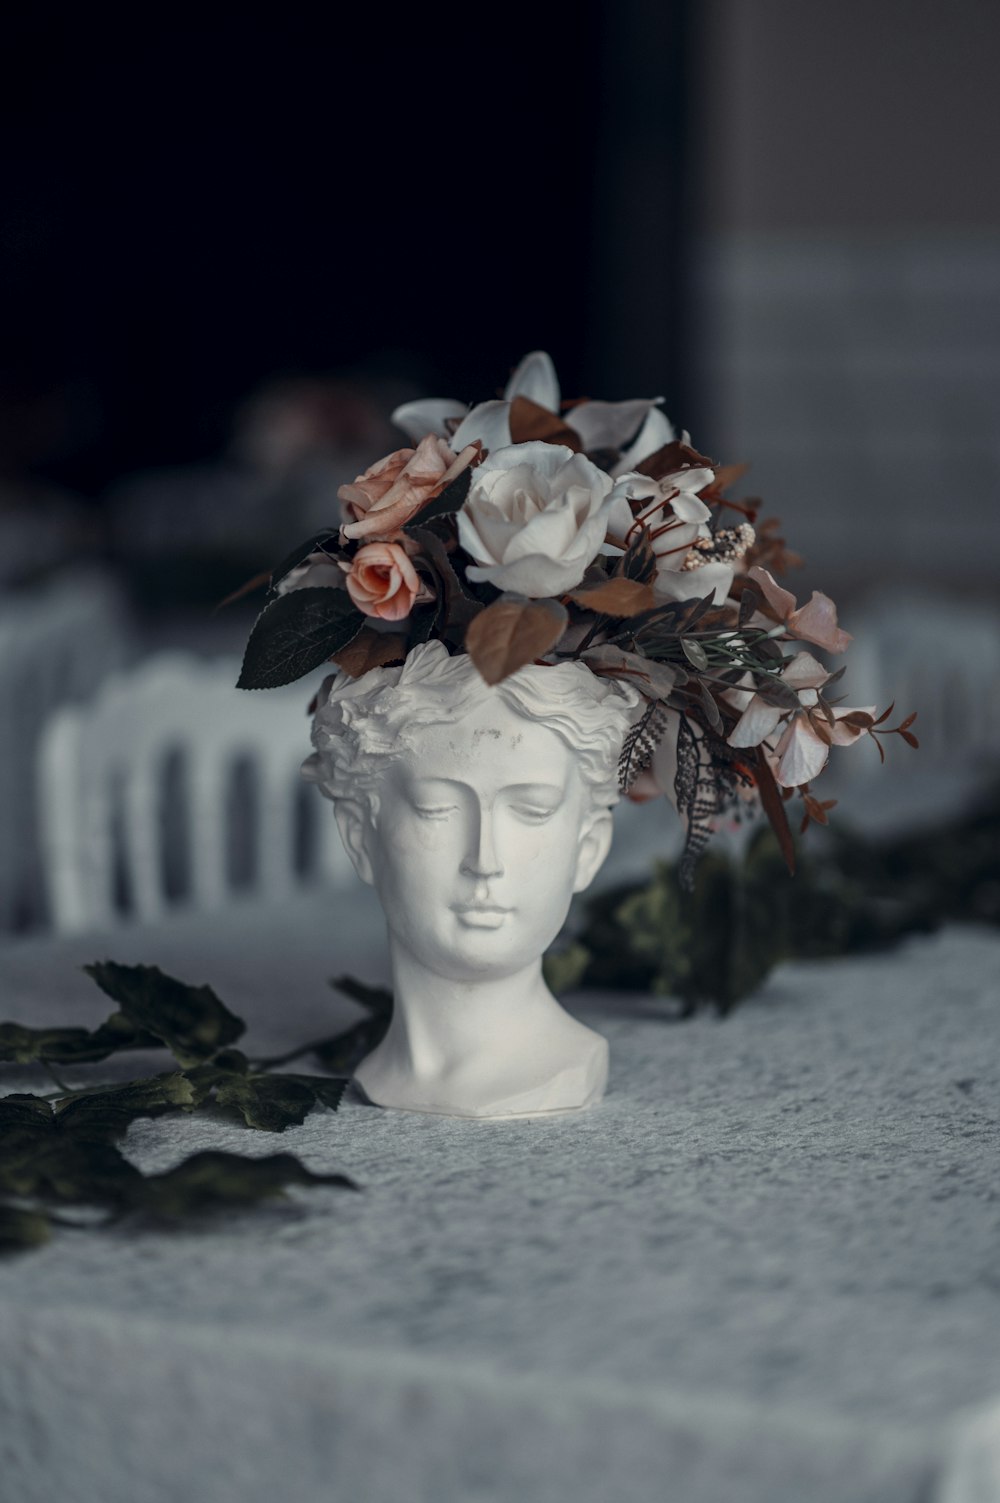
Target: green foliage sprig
(715,944)
(59,1154)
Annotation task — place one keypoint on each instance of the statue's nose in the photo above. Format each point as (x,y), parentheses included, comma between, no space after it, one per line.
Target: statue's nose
(481,859)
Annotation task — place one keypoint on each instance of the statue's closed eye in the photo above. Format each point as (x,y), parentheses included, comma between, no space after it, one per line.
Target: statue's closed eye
(533,814)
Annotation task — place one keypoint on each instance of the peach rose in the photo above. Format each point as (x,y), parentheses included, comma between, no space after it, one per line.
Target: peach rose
(383,582)
(389,493)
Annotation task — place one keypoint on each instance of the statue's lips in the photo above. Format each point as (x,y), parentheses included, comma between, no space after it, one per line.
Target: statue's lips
(480,915)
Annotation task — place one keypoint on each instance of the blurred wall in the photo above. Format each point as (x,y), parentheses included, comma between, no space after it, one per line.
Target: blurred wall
(849,277)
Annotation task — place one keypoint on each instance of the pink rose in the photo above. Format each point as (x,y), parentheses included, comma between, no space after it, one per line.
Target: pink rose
(383,582)
(389,493)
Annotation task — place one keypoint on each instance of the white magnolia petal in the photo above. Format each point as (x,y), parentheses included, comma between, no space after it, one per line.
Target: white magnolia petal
(846,735)
(656,431)
(536,379)
(429,415)
(689,508)
(740,695)
(695,584)
(802,755)
(757,721)
(619,517)
(691,480)
(672,546)
(535,576)
(804,672)
(489,422)
(610,425)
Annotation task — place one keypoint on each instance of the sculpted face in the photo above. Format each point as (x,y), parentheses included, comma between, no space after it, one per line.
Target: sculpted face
(483,834)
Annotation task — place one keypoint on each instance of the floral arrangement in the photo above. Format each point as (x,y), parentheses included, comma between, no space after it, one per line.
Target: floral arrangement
(531,530)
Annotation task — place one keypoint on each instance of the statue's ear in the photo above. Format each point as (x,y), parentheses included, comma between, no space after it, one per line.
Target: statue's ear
(595,843)
(355,825)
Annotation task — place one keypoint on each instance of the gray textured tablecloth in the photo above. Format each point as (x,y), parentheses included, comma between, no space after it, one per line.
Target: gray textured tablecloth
(766,1268)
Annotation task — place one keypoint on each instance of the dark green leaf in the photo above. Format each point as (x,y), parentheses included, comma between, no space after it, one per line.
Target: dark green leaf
(749,602)
(695,653)
(107,1113)
(774,692)
(451,499)
(72,1170)
(273,1102)
(20,1229)
(328,1092)
(342,1054)
(205,1078)
(639,559)
(459,605)
(377,999)
(67,1046)
(267,1102)
(190,1020)
(564,970)
(328,539)
(210,1180)
(23,1111)
(710,707)
(296,633)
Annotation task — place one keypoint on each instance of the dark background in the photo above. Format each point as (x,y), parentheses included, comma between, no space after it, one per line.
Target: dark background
(191,208)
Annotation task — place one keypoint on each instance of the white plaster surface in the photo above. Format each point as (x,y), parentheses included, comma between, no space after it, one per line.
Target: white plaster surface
(766,1267)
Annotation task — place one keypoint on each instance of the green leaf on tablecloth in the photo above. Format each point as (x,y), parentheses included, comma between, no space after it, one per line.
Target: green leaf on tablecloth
(69,1046)
(108,1112)
(343,1052)
(190,1020)
(563,970)
(204,1078)
(63,1168)
(273,1102)
(212,1180)
(21,1229)
(377,999)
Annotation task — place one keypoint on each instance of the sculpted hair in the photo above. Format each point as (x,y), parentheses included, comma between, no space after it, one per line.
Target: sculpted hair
(360,724)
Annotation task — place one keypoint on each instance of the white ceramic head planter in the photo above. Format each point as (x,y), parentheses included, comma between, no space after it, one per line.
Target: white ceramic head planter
(476,813)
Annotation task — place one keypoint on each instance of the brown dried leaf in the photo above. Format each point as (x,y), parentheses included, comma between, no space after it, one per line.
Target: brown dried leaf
(726,475)
(530,421)
(639,560)
(370,649)
(512,632)
(256,583)
(673,456)
(617,597)
(774,808)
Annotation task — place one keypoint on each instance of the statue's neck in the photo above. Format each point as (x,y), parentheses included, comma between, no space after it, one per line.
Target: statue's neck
(438,1024)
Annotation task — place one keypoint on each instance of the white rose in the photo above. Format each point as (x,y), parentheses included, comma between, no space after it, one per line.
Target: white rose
(535,517)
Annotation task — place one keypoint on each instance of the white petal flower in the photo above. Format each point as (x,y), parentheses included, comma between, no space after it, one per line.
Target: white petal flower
(431,415)
(536,379)
(655,432)
(489,423)
(637,423)
(535,517)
